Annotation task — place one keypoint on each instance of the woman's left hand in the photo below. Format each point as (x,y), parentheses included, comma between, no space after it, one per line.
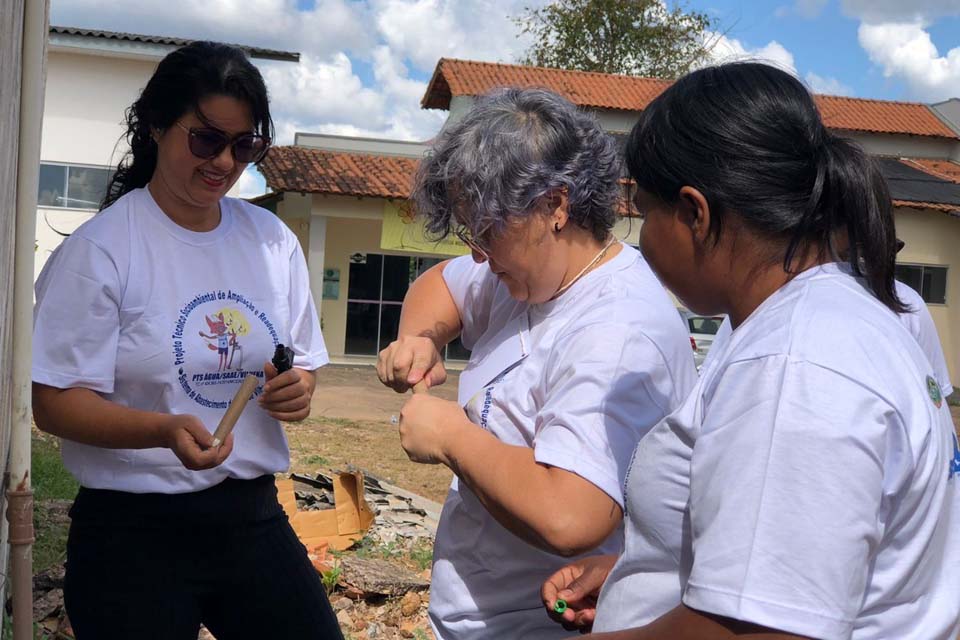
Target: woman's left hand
(427,423)
(287,396)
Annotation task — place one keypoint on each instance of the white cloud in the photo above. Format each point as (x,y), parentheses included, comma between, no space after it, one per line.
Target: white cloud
(251,183)
(805,8)
(726,49)
(409,120)
(906,52)
(328,97)
(321,90)
(424,31)
(881,11)
(828,86)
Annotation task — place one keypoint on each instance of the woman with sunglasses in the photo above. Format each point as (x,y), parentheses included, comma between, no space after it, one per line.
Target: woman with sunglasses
(134,316)
(577,351)
(809,487)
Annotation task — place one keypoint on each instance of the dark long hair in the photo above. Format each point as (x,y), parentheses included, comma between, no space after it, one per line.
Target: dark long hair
(749,137)
(182,79)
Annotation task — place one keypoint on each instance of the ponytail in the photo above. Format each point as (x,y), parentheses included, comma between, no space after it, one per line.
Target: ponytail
(855,197)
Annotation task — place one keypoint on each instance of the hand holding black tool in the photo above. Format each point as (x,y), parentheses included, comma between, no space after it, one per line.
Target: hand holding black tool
(282,358)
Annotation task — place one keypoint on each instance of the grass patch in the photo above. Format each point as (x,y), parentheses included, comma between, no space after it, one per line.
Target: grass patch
(51,483)
(51,480)
(422,555)
(416,556)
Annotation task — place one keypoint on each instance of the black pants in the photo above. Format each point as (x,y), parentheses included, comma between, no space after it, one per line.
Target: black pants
(154,566)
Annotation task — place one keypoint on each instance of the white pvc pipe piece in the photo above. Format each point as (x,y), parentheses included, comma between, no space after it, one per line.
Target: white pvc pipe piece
(20,495)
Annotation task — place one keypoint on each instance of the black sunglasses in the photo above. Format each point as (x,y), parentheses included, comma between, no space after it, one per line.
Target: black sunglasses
(206,143)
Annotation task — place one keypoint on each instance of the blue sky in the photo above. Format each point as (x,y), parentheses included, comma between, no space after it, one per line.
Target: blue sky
(365,63)
(825,43)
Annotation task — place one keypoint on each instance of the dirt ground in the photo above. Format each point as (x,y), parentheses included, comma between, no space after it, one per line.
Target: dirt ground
(355,393)
(350,426)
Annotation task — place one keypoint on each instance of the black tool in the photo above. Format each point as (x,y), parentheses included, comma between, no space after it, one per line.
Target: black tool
(282,358)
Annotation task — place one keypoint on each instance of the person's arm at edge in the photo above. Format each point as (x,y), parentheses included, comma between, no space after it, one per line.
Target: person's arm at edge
(83,415)
(684,623)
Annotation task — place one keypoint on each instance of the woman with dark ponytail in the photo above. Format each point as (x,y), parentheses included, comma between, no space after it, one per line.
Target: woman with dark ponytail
(134,321)
(808,487)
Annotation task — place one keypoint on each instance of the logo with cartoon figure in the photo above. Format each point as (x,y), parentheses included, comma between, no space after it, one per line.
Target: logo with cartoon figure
(219,338)
(225,328)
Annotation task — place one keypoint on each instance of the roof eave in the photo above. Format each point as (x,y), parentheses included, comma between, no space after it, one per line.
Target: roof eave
(139,46)
(437,95)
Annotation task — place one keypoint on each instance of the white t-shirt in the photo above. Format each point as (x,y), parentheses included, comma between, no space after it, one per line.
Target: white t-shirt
(156,317)
(924,331)
(808,484)
(580,380)
(921,326)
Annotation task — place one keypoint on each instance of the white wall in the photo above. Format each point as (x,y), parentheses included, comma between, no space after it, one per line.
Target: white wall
(85,103)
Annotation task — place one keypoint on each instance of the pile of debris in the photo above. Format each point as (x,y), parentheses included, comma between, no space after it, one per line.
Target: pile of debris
(399,514)
(374,598)
(48,612)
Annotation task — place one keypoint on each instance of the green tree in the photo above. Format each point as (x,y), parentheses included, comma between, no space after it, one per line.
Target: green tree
(630,37)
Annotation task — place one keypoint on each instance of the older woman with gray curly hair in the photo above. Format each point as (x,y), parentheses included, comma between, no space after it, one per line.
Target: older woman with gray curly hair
(577,351)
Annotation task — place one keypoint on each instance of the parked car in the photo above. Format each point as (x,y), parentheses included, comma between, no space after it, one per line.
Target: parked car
(702,330)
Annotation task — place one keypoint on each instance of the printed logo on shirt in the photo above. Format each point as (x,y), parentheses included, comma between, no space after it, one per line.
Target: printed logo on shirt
(483,412)
(934,390)
(209,340)
(488,402)
(955,463)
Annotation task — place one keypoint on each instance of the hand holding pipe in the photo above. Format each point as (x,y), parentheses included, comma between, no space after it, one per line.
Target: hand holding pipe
(235,409)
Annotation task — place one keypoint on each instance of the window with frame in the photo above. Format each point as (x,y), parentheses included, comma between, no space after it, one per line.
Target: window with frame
(929,281)
(71,186)
(377,286)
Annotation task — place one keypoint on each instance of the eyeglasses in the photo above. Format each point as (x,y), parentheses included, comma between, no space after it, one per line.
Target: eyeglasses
(206,143)
(466,238)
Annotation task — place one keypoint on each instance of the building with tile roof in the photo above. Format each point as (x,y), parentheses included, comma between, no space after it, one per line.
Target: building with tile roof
(344,196)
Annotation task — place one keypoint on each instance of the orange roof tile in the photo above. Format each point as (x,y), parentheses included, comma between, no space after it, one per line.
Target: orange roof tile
(943,169)
(627,93)
(880,116)
(467,78)
(306,170)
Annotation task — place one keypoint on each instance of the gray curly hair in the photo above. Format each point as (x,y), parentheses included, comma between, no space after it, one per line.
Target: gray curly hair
(511,150)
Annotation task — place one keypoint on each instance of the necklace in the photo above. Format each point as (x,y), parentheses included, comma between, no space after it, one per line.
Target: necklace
(583,272)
